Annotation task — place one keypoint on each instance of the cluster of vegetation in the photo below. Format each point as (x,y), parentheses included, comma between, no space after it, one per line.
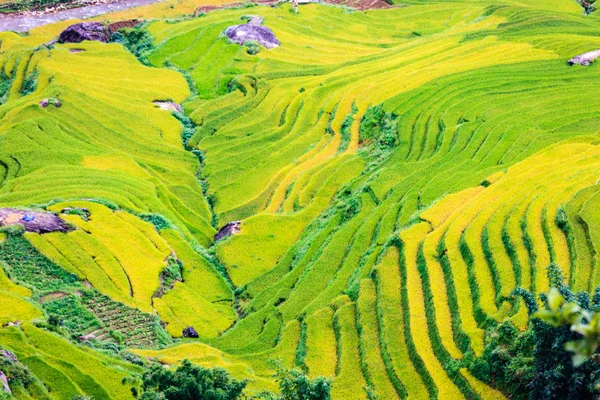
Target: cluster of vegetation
(370,252)
(26,265)
(190,382)
(137,40)
(157,220)
(30,83)
(252,47)
(170,275)
(556,357)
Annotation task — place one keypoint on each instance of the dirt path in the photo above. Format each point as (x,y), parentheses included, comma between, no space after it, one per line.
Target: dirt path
(23,23)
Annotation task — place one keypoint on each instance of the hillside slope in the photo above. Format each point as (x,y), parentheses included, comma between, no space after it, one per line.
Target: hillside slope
(397,174)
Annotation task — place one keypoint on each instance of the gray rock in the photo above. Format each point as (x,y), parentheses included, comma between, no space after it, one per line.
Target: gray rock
(169,106)
(585,59)
(228,230)
(84,31)
(241,34)
(190,332)
(4,381)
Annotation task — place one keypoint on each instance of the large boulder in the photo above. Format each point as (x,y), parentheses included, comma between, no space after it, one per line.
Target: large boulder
(228,230)
(241,34)
(585,59)
(33,221)
(190,332)
(77,33)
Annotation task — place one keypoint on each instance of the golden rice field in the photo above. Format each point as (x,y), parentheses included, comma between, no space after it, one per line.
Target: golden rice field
(397,174)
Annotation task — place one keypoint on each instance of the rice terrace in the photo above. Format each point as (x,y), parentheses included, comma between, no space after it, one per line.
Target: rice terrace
(299,200)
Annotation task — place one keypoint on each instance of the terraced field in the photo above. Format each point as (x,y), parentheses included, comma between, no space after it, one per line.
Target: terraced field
(397,174)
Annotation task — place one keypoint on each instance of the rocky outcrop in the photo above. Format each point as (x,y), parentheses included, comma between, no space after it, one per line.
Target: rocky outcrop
(190,332)
(169,106)
(86,337)
(9,355)
(585,59)
(241,34)
(228,230)
(4,381)
(33,221)
(84,31)
(46,102)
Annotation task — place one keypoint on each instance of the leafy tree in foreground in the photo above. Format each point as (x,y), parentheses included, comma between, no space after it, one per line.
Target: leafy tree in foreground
(190,382)
(556,357)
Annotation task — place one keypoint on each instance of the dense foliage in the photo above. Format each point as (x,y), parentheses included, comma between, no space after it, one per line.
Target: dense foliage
(190,382)
(554,358)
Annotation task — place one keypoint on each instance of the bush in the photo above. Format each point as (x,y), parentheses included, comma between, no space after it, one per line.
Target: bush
(295,385)
(157,220)
(137,40)
(252,47)
(30,83)
(16,373)
(536,363)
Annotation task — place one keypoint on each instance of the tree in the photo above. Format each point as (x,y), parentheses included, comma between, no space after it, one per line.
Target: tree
(190,382)
(295,385)
(556,357)
(571,315)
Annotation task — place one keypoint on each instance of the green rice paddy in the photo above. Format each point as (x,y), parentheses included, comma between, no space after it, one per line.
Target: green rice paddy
(397,174)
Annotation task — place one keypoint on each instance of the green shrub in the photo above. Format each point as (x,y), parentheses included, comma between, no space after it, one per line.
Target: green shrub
(252,47)
(157,220)
(137,40)
(30,83)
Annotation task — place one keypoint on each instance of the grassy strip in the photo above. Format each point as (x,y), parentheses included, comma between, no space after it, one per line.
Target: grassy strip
(364,366)
(450,365)
(337,329)
(385,355)
(562,222)
(489,259)
(548,236)
(467,256)
(345,129)
(301,349)
(514,260)
(462,340)
(530,251)
(412,350)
